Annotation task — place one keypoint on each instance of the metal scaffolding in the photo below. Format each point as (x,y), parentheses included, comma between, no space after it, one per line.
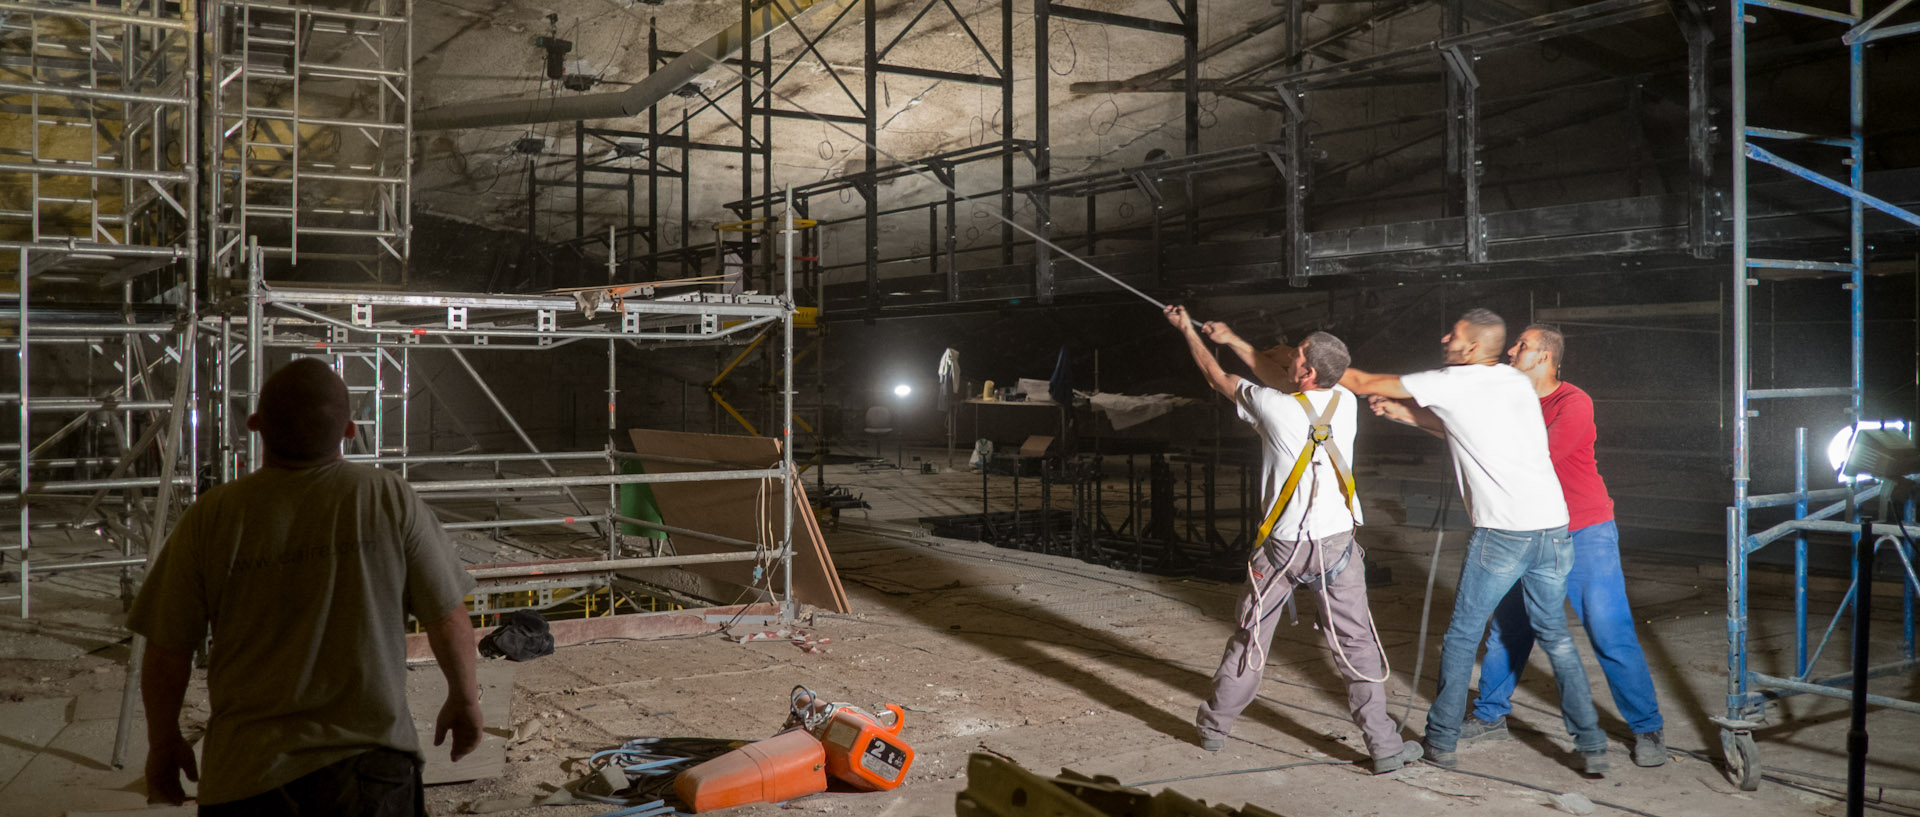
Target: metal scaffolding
(114,213)
(382,335)
(100,223)
(304,184)
(1804,158)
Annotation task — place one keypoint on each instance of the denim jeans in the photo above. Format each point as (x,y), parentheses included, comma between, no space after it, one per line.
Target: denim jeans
(1598,591)
(1538,561)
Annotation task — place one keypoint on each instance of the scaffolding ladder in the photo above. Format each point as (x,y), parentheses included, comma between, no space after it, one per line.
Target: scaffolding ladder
(1756,142)
(304,185)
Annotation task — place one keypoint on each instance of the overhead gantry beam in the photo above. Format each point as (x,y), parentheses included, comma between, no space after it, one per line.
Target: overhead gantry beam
(1165,78)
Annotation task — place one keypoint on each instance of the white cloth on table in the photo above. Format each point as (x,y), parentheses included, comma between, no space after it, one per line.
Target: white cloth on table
(1035,390)
(1128,410)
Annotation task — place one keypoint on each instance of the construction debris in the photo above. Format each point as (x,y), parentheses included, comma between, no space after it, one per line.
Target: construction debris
(997,787)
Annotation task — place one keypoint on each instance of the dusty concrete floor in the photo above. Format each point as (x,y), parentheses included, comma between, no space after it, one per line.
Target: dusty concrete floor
(1054,663)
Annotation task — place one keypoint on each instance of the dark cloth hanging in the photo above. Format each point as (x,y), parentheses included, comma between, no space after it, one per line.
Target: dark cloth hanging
(1060,387)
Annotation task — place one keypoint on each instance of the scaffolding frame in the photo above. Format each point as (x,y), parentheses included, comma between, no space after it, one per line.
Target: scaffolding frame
(400,326)
(108,99)
(282,174)
(1748,690)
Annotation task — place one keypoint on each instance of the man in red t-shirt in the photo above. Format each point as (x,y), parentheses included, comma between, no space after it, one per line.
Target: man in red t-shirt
(1596,586)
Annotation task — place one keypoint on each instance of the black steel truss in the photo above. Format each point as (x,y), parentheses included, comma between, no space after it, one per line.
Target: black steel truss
(1301,243)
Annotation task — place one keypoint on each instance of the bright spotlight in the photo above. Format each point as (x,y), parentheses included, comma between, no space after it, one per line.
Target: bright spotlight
(1876,449)
(902,390)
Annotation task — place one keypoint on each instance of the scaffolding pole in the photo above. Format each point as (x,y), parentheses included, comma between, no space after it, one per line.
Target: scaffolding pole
(1748,691)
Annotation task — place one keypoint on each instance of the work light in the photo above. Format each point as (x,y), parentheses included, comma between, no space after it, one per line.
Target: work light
(1873,449)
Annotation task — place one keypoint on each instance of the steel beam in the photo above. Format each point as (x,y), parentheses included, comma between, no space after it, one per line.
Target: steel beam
(1043,273)
(1107,18)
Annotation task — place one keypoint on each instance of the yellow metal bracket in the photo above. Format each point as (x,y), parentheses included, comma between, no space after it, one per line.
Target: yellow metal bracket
(761,225)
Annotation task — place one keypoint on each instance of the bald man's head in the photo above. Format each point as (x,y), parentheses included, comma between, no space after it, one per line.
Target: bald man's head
(303,412)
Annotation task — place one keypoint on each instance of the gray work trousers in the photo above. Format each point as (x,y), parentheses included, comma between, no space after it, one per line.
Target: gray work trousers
(1273,570)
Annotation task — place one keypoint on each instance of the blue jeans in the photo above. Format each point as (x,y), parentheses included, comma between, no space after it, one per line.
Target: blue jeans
(1538,561)
(1598,591)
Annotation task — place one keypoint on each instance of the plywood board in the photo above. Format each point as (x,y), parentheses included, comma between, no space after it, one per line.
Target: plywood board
(427,690)
(1036,446)
(70,773)
(25,728)
(748,510)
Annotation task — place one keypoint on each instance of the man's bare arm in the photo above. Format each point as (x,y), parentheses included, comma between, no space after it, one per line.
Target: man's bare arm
(1385,385)
(1219,333)
(1272,367)
(1406,413)
(451,639)
(163,687)
(1217,378)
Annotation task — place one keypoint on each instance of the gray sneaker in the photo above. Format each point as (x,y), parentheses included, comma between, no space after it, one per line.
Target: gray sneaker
(1445,760)
(1649,749)
(1213,744)
(1475,730)
(1596,762)
(1409,752)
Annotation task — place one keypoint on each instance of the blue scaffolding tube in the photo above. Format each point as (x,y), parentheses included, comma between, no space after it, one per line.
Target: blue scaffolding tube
(1749,691)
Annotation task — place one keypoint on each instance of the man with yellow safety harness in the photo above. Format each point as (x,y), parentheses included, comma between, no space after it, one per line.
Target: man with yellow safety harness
(1305,536)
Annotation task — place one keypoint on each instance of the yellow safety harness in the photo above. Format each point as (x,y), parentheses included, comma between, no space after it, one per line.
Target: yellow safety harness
(1320,435)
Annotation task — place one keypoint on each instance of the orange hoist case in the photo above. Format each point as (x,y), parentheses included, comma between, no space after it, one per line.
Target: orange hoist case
(864,754)
(788,765)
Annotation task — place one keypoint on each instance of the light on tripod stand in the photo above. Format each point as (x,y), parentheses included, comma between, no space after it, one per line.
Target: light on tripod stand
(1873,449)
(1877,450)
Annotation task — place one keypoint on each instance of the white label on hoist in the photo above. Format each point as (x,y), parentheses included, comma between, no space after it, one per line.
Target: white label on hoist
(883,759)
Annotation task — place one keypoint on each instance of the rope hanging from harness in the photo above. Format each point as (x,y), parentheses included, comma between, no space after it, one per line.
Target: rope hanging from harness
(1319,435)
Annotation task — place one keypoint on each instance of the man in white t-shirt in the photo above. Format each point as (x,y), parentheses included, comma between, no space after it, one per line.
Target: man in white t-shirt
(1310,541)
(1499,442)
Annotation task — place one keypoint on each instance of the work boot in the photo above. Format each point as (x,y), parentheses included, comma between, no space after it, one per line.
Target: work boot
(1475,730)
(1409,752)
(1649,749)
(1213,744)
(1596,762)
(1445,760)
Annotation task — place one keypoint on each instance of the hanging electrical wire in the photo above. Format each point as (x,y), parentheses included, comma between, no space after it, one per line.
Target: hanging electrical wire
(1073,51)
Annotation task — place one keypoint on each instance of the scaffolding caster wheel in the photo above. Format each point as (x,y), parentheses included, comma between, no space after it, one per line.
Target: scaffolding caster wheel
(1743,758)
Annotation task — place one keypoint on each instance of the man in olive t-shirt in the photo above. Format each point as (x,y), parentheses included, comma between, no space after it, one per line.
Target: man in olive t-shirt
(304,573)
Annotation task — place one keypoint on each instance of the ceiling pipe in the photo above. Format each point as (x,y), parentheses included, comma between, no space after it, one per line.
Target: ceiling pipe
(634,100)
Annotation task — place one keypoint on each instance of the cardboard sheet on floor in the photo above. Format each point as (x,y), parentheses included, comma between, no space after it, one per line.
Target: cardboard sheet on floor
(738,509)
(427,690)
(1036,446)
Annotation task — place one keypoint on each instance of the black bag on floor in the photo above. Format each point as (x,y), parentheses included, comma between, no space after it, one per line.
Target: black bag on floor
(522,637)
